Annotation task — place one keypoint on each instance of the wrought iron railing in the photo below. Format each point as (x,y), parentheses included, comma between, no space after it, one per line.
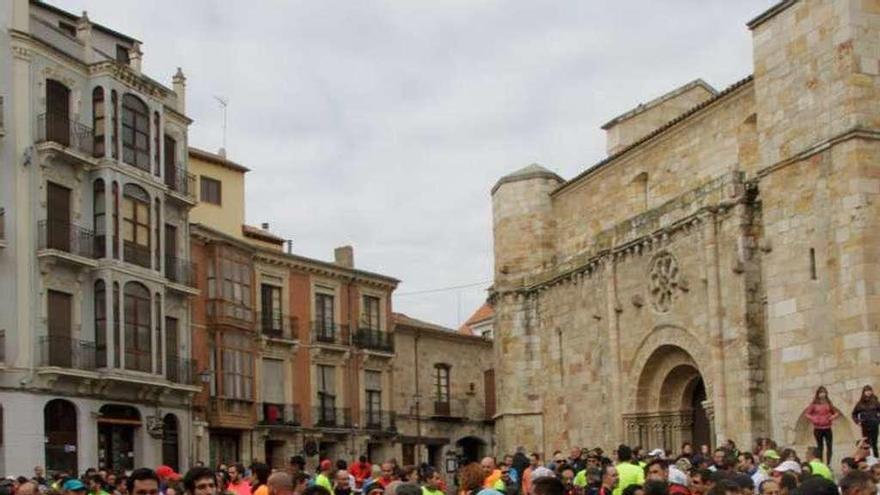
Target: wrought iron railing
(60,129)
(331,417)
(181,370)
(67,237)
(377,340)
(180,181)
(180,271)
(326,332)
(136,254)
(379,420)
(63,352)
(278,325)
(273,414)
(442,408)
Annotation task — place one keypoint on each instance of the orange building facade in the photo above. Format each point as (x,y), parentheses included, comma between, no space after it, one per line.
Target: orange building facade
(295,354)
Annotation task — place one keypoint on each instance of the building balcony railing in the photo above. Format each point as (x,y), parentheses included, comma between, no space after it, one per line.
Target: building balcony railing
(67,237)
(60,129)
(324,332)
(442,408)
(331,417)
(182,371)
(136,254)
(271,414)
(180,271)
(376,340)
(278,325)
(379,420)
(221,311)
(180,181)
(63,352)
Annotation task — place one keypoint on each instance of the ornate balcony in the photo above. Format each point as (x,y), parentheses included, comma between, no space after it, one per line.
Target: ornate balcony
(67,134)
(278,325)
(136,254)
(180,271)
(181,182)
(63,352)
(327,333)
(55,236)
(374,340)
(269,414)
(328,416)
(182,371)
(379,420)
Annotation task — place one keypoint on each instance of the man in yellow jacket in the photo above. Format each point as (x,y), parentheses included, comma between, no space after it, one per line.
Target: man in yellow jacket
(629,472)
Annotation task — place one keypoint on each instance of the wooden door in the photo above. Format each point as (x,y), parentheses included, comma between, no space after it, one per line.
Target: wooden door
(58,220)
(60,349)
(489,390)
(57,112)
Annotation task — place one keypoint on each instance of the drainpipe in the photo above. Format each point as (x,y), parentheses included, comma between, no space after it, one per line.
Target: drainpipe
(418,401)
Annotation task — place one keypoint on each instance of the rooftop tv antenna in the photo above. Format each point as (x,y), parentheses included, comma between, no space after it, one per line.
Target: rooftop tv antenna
(224,102)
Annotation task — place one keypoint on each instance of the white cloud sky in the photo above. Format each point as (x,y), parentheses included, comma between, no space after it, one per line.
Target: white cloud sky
(384,124)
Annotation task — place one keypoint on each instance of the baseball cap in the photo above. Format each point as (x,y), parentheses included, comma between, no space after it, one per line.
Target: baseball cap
(73,485)
(166,472)
(770,454)
(792,466)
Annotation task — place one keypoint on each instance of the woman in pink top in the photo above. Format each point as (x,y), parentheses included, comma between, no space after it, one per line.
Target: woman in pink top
(821,412)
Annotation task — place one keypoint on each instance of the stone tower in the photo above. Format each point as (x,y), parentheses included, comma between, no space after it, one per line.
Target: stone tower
(524,229)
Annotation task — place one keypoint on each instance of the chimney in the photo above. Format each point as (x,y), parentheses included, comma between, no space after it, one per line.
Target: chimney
(135,57)
(290,246)
(179,83)
(344,256)
(264,225)
(84,34)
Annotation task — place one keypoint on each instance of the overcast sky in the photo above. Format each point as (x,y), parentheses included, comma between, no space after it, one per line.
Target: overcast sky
(384,124)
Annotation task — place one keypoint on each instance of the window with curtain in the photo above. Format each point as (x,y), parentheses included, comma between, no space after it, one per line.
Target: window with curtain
(114,124)
(135,132)
(370,313)
(373,386)
(326,393)
(273,381)
(101,323)
(138,327)
(324,317)
(270,309)
(98,121)
(136,225)
(237,362)
(236,274)
(100,219)
(115,239)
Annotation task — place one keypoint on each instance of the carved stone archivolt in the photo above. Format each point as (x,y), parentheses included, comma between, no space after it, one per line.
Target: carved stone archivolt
(664,281)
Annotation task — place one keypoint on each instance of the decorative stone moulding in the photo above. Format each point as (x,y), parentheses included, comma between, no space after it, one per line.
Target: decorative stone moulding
(664,278)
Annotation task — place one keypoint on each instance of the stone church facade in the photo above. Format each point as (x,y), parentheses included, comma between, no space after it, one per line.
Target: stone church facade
(723,262)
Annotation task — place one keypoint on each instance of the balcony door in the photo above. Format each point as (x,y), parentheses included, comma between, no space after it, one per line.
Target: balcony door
(58,218)
(57,112)
(59,345)
(171,265)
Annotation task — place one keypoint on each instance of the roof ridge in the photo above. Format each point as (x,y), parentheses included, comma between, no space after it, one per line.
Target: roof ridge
(642,107)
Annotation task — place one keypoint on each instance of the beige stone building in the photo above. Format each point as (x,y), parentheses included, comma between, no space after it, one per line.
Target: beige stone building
(444,395)
(720,264)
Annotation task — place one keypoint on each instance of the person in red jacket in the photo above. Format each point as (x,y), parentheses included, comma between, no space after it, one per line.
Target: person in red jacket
(821,413)
(361,470)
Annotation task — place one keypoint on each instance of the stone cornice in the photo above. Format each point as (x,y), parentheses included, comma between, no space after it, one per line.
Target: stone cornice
(770,13)
(126,75)
(853,133)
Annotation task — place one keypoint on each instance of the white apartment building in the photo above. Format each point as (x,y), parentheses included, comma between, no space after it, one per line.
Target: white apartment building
(95,278)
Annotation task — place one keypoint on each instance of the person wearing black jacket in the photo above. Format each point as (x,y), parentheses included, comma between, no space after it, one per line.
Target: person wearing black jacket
(866,414)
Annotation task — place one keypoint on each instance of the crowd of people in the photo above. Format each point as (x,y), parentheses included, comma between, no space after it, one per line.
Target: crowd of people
(764,470)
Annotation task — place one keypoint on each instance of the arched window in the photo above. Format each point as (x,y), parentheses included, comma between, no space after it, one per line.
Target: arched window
(60,431)
(57,112)
(156,133)
(170,447)
(114,122)
(135,132)
(101,323)
(158,262)
(138,328)
(157,322)
(100,219)
(441,389)
(136,225)
(116,325)
(115,219)
(98,120)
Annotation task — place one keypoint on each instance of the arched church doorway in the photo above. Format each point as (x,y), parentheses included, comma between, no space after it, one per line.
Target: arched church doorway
(670,402)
